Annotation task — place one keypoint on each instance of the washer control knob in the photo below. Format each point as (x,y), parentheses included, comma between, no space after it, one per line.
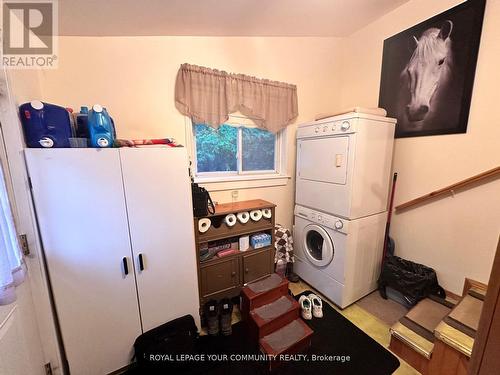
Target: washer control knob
(316,129)
(339,224)
(319,218)
(325,128)
(345,125)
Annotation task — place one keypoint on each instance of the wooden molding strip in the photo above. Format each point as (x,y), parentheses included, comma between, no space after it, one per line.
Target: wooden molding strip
(469,283)
(450,189)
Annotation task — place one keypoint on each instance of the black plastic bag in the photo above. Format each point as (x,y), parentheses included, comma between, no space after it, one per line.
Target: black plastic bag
(157,350)
(415,281)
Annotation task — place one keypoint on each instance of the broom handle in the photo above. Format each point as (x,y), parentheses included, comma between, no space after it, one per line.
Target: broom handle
(389,216)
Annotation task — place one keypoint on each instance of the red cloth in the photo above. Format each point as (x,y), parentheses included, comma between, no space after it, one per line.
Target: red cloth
(146,142)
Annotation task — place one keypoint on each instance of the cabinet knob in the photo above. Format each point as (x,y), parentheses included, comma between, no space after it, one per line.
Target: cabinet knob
(233,273)
(246,270)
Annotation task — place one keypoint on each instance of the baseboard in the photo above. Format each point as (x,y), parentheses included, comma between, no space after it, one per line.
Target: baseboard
(454,296)
(469,283)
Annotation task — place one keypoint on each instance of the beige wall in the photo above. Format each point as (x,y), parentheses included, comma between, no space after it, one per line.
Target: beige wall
(457,236)
(25,85)
(134,78)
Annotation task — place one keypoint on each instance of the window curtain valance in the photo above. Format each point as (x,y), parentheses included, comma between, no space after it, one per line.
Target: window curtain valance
(208,96)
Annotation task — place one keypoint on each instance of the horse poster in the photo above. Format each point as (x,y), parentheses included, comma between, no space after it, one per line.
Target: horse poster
(428,72)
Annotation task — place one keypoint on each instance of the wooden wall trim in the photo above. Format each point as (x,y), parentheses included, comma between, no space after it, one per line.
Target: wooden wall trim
(469,283)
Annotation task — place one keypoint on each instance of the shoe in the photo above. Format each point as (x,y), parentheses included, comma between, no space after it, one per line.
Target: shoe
(226,312)
(305,307)
(212,316)
(317,305)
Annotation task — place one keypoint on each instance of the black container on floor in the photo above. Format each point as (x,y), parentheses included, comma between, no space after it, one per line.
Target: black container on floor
(156,349)
(414,281)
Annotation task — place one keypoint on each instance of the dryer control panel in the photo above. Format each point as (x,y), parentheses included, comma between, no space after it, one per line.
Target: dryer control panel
(325,220)
(321,129)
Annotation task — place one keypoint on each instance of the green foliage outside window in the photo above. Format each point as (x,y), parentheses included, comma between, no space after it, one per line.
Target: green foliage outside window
(217,149)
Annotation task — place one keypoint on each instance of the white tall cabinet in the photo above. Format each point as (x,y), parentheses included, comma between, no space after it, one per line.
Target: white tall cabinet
(117,232)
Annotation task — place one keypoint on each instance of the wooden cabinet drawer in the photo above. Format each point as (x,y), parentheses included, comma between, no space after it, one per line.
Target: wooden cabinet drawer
(256,265)
(219,277)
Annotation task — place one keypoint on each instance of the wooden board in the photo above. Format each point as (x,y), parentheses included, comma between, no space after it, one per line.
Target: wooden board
(467,312)
(469,284)
(447,361)
(234,207)
(414,359)
(427,314)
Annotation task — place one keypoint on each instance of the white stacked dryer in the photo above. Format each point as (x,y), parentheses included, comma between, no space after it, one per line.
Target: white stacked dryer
(342,185)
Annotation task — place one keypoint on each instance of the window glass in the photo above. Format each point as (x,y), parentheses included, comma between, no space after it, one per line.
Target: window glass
(216,149)
(258,150)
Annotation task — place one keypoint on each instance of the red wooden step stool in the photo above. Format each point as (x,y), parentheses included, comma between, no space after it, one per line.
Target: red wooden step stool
(274,320)
(262,292)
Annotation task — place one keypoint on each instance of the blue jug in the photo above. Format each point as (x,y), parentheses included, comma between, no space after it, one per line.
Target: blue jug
(45,125)
(100,127)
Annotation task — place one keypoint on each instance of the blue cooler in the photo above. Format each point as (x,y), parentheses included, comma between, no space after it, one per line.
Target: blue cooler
(45,125)
(101,127)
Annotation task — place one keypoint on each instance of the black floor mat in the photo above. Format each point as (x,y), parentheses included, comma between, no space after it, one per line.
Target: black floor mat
(335,335)
(343,347)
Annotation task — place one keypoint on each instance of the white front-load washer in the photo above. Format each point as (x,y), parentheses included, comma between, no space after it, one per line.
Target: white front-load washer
(338,257)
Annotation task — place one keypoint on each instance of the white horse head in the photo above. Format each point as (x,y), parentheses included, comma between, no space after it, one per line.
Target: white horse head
(427,70)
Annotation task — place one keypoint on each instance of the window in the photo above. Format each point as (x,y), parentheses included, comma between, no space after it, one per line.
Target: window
(235,150)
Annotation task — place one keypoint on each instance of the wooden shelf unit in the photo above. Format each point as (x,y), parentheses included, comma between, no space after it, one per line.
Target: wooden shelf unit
(224,277)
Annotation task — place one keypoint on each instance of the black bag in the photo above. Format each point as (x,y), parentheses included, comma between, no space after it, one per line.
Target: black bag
(202,203)
(157,349)
(415,281)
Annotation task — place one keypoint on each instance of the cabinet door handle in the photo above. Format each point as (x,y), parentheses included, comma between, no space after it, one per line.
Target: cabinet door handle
(125,266)
(141,262)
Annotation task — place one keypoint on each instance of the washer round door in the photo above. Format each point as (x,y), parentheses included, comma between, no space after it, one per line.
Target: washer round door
(318,246)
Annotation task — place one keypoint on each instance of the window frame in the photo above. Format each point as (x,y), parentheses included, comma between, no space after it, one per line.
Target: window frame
(277,176)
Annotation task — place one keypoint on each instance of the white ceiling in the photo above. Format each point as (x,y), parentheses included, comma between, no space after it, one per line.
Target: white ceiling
(219,17)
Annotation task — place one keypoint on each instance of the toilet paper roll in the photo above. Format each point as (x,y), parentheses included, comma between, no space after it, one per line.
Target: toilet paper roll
(230,220)
(243,217)
(204,224)
(256,215)
(266,212)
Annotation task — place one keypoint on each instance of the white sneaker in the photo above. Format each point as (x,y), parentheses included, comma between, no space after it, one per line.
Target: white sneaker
(317,305)
(305,307)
